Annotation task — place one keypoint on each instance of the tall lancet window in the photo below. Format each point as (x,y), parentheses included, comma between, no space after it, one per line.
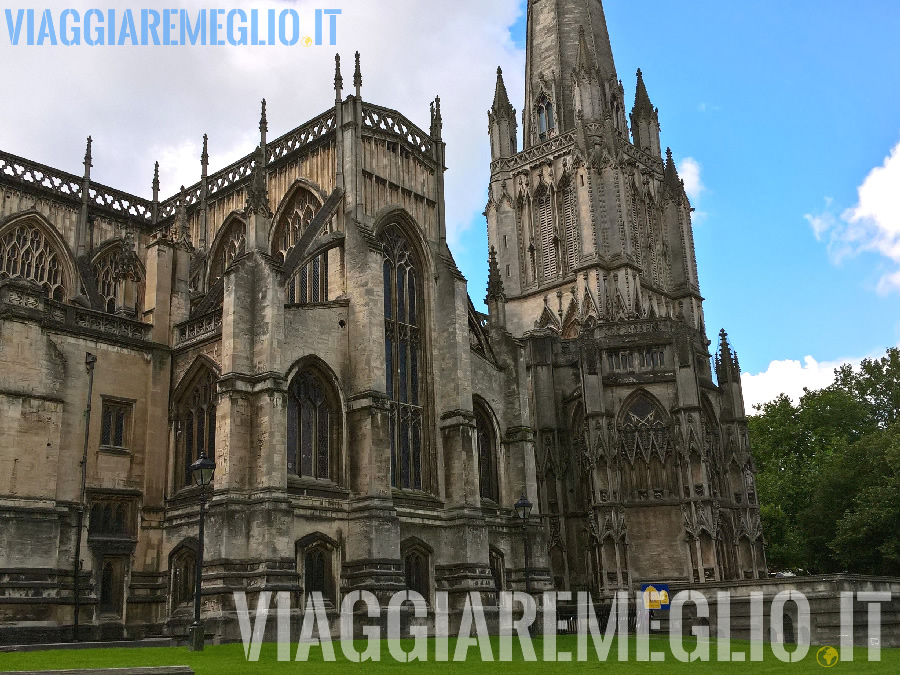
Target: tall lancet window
(570,219)
(196,424)
(403,359)
(548,236)
(546,123)
(313,431)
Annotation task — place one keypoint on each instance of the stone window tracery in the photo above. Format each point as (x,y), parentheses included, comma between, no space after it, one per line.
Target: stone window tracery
(310,284)
(403,359)
(487,458)
(26,253)
(119,279)
(232,245)
(196,425)
(313,428)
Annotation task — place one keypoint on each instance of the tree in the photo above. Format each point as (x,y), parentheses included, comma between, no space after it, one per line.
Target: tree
(829,472)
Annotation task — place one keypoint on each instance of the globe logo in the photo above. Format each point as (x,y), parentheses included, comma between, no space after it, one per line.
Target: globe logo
(307,41)
(827,657)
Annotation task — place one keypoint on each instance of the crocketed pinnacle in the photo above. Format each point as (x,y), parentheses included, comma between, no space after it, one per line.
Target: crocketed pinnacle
(495,281)
(643,108)
(502,108)
(672,179)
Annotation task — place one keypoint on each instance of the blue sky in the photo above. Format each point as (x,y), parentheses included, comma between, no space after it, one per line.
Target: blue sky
(782,105)
(777,113)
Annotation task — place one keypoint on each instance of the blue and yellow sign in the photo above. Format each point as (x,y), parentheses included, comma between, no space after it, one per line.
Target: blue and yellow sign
(656,596)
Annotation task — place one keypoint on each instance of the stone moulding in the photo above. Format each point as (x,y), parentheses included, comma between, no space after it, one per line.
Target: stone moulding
(201,328)
(25,300)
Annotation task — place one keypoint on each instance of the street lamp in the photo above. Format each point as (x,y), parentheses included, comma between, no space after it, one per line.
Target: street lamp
(202,470)
(523,510)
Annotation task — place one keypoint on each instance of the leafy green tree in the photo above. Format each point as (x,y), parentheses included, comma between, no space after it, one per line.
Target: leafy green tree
(829,473)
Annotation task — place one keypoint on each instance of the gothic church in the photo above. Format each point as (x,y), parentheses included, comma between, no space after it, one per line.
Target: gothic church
(298,317)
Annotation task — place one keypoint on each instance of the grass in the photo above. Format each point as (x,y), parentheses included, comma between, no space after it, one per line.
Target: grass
(226,659)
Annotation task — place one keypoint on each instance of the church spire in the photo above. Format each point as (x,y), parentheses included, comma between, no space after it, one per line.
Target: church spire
(564,36)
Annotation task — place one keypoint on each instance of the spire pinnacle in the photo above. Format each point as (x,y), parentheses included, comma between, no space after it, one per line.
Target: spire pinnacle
(437,121)
(338,80)
(357,77)
(502,107)
(495,281)
(727,367)
(263,122)
(204,156)
(584,62)
(87,158)
(155,184)
(672,179)
(642,105)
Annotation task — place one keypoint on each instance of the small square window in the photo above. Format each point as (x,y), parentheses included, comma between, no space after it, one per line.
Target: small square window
(115,425)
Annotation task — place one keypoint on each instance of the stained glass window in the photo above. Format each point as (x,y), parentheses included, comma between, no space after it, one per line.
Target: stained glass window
(402,340)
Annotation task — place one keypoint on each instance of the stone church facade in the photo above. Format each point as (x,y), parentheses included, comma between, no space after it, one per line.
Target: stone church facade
(299,317)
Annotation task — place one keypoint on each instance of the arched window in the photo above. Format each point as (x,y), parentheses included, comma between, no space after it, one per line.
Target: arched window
(196,426)
(487,455)
(313,428)
(26,253)
(546,121)
(120,278)
(106,584)
(497,569)
(232,243)
(416,570)
(403,359)
(317,555)
(310,284)
(183,577)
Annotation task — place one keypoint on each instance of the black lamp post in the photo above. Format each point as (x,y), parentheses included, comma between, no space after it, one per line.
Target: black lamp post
(202,470)
(523,510)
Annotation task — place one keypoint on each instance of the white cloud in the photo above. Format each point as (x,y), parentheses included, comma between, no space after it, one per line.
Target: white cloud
(873,224)
(689,171)
(791,377)
(143,104)
(786,377)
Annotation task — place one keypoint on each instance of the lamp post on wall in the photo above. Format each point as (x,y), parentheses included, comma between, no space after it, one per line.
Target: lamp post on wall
(523,510)
(202,470)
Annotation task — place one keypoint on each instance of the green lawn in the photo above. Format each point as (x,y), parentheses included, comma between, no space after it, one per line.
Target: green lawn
(225,659)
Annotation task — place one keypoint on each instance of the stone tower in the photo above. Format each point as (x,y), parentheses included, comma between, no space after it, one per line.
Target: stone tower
(643,466)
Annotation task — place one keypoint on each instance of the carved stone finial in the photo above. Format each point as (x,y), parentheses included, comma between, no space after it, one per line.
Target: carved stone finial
(155,184)
(204,156)
(357,77)
(125,263)
(495,280)
(258,190)
(87,157)
(437,121)
(338,80)
(263,122)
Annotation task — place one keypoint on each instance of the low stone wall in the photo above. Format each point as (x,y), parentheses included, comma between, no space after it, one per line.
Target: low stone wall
(824,596)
